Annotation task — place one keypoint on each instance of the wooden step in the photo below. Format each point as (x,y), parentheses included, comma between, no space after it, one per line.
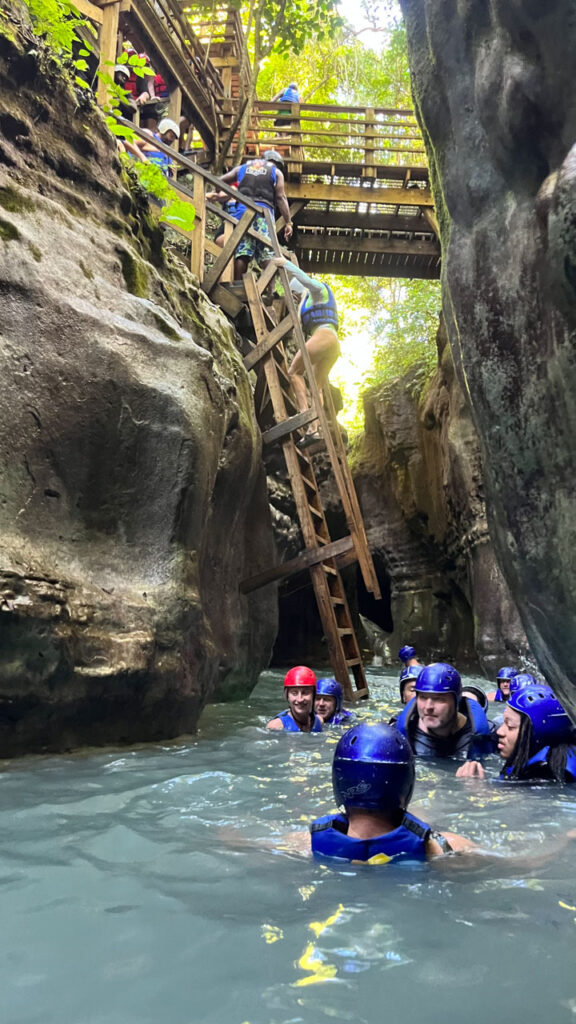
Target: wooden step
(287,427)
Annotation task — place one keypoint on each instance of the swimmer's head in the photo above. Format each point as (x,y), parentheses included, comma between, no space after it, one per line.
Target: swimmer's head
(373,769)
(328,698)
(408,677)
(406,653)
(503,680)
(549,722)
(440,678)
(300,675)
(475,693)
(520,680)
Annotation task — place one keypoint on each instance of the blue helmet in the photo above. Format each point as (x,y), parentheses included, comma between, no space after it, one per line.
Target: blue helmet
(550,723)
(408,673)
(330,688)
(506,673)
(440,678)
(520,680)
(373,768)
(405,653)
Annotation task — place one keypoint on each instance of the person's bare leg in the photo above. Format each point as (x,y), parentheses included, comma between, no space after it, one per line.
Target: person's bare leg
(240,267)
(295,371)
(323,349)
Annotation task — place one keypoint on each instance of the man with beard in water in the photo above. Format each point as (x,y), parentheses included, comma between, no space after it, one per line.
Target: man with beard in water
(300,690)
(438,723)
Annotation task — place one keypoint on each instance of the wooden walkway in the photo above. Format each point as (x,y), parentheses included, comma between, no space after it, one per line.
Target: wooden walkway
(358,187)
(356,177)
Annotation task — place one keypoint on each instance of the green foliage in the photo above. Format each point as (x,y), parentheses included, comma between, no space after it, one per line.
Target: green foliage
(176,212)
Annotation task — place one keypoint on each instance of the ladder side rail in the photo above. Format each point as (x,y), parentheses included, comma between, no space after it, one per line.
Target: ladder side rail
(366,565)
(352,495)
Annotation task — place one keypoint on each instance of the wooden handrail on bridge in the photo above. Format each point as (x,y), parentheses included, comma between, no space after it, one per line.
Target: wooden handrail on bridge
(312,133)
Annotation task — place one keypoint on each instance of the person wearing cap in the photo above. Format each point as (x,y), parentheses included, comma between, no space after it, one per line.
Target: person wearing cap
(262,181)
(328,703)
(300,691)
(168,132)
(438,723)
(319,319)
(502,693)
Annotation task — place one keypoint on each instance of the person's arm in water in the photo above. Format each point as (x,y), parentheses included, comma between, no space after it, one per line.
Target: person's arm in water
(316,288)
(282,203)
(276,723)
(472,858)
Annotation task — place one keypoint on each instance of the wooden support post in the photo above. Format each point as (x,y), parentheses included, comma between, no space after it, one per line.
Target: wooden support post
(108,46)
(175,106)
(198,235)
(369,170)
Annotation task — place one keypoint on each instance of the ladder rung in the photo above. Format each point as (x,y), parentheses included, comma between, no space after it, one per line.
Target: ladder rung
(346,632)
(285,427)
(353,661)
(337,600)
(330,570)
(315,512)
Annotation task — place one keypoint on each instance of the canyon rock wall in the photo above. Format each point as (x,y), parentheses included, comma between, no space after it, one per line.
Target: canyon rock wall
(493,85)
(419,479)
(132,495)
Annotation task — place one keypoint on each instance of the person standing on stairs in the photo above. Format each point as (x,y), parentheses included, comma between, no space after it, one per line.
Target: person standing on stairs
(262,181)
(319,319)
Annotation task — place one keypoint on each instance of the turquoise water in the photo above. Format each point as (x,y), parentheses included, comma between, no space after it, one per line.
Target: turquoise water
(137,887)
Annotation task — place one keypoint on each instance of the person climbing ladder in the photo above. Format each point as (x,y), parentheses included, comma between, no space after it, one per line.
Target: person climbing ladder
(319,319)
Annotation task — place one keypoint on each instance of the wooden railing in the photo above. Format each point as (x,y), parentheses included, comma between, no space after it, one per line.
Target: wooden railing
(314,133)
(222,38)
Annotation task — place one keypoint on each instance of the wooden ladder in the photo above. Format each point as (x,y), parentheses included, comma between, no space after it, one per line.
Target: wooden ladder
(322,556)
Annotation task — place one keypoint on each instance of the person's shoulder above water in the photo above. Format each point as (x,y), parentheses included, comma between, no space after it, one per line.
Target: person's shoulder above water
(300,691)
(373,778)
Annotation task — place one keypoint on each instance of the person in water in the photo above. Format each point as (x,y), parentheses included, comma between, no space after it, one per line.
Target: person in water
(407,655)
(503,684)
(328,703)
(300,690)
(319,319)
(408,677)
(373,778)
(537,738)
(475,693)
(438,723)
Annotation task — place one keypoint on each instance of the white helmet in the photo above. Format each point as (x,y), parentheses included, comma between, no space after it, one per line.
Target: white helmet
(166,125)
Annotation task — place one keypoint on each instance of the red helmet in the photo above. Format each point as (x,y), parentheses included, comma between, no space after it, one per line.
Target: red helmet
(300,676)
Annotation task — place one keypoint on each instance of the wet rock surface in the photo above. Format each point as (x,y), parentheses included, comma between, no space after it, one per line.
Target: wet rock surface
(132,496)
(419,479)
(493,85)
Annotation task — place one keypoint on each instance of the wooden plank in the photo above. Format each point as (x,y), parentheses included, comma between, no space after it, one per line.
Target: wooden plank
(359,194)
(198,237)
(90,11)
(347,243)
(413,223)
(226,300)
(414,271)
(294,211)
(228,251)
(288,426)
(265,277)
(263,347)
(108,44)
(305,560)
